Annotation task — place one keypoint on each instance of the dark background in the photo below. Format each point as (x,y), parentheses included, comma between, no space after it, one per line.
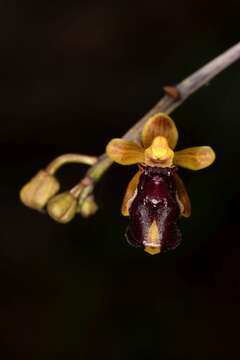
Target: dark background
(74,74)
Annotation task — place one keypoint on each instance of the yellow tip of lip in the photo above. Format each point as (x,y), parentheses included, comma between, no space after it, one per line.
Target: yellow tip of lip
(152,250)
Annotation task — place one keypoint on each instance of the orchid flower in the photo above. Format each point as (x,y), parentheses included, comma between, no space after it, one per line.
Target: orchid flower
(156,197)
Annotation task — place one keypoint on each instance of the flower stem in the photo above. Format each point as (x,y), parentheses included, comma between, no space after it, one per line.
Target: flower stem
(70,158)
(186,88)
(86,186)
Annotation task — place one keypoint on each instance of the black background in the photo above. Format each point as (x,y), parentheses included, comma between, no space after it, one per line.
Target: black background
(74,74)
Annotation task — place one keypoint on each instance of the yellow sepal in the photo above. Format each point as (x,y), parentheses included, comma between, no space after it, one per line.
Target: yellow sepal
(160,125)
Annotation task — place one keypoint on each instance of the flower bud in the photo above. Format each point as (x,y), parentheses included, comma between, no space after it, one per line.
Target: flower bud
(89,207)
(62,207)
(36,193)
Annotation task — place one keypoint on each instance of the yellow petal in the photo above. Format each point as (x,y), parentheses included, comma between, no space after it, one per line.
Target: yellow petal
(130,193)
(195,158)
(125,152)
(160,125)
(183,197)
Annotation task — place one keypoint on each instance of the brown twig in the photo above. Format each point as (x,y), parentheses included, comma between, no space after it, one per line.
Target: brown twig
(173,98)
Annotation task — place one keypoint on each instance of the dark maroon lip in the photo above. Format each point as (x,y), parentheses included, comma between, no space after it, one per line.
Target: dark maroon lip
(158,170)
(156,200)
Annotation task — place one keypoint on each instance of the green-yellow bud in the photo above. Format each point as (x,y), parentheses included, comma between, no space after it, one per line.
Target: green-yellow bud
(62,207)
(36,193)
(89,207)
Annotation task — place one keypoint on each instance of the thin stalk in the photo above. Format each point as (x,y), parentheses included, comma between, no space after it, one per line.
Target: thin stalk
(69,158)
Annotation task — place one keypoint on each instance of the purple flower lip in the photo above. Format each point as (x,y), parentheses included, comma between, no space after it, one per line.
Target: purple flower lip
(155,210)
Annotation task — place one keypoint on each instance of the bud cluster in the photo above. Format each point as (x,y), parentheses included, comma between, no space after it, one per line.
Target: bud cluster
(42,192)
